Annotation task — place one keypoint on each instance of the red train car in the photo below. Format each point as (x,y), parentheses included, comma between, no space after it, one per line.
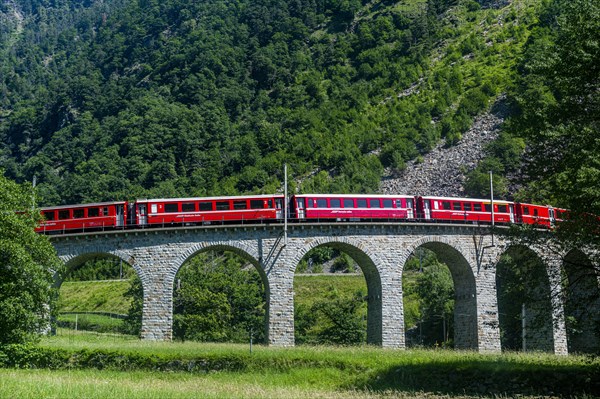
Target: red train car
(352,207)
(207,210)
(542,215)
(96,216)
(464,210)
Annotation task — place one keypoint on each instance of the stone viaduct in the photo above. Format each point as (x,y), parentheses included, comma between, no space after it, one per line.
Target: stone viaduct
(380,249)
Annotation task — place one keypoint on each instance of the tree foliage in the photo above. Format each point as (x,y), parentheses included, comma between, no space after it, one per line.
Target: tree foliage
(27,265)
(559,105)
(217,298)
(117,100)
(436,291)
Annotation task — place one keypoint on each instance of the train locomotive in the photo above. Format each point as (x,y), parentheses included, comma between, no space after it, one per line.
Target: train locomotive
(166,212)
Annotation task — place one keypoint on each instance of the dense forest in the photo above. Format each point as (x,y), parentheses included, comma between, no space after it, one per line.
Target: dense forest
(103,100)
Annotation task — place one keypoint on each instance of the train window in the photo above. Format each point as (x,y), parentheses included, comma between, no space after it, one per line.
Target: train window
(348,203)
(240,205)
(488,208)
(477,207)
(456,206)
(388,203)
(188,207)
(270,203)
(171,208)
(93,212)
(78,213)
(49,215)
(409,203)
(374,203)
(321,203)
(222,205)
(205,206)
(525,210)
(361,203)
(335,203)
(503,208)
(467,206)
(446,205)
(256,204)
(535,212)
(63,214)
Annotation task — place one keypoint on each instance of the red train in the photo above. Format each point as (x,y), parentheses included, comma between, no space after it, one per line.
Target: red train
(305,207)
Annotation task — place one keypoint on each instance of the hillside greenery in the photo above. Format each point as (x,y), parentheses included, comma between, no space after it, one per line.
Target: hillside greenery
(124,99)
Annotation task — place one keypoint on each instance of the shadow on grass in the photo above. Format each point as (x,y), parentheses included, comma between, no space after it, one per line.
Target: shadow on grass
(480,377)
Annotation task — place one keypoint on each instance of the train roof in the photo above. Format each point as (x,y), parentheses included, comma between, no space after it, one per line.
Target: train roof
(90,205)
(484,200)
(229,197)
(354,195)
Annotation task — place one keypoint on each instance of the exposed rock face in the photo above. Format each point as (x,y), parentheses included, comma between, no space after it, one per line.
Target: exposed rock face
(443,170)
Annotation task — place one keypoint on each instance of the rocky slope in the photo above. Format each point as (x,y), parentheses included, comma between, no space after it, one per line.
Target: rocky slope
(442,171)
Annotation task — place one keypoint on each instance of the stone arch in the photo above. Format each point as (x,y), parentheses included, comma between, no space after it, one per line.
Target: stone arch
(582,302)
(369,263)
(535,296)
(452,254)
(72,261)
(240,248)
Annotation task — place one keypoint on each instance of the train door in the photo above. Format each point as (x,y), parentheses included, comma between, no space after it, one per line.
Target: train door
(300,211)
(410,211)
(279,208)
(427,209)
(551,216)
(120,216)
(518,213)
(511,209)
(142,214)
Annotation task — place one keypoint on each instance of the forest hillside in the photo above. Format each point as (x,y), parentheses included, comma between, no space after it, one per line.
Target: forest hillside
(120,99)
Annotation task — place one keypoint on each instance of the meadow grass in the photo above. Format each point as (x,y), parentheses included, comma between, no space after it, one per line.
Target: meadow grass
(95,384)
(118,366)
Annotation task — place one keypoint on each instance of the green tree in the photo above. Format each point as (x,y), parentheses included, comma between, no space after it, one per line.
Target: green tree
(218,298)
(558,104)
(341,321)
(436,292)
(27,265)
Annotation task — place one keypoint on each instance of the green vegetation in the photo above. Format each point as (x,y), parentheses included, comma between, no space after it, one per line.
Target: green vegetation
(94,296)
(27,263)
(101,323)
(322,371)
(218,297)
(118,100)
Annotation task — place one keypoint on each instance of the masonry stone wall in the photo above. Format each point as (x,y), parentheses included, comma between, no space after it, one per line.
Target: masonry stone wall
(381,250)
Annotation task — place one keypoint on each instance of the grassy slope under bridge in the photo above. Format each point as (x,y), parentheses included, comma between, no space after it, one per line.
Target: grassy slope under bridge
(108,296)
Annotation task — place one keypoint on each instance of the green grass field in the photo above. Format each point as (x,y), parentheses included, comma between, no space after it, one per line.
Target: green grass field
(100,366)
